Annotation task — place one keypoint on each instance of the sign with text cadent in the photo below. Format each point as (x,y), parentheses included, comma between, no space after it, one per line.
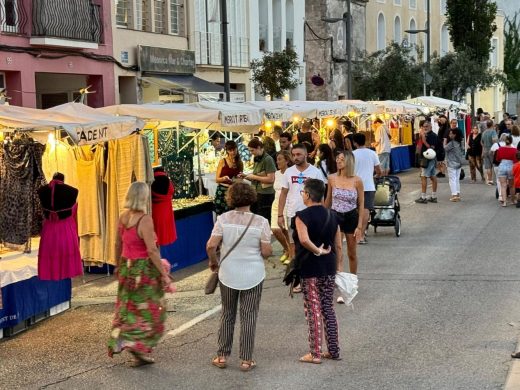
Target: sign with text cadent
(162,60)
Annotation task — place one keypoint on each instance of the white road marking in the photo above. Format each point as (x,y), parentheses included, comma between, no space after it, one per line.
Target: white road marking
(194,321)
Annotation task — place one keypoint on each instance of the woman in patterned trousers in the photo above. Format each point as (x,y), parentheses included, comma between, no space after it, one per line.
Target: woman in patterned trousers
(317,240)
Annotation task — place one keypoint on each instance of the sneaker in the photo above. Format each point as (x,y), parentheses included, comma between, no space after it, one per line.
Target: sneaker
(340,300)
(432,200)
(421,200)
(440,174)
(454,199)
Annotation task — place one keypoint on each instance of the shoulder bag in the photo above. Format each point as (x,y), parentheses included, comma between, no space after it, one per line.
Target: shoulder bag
(212,282)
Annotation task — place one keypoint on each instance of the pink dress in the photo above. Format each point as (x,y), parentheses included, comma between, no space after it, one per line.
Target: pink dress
(58,256)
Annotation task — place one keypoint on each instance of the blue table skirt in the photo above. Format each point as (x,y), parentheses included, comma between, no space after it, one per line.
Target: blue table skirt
(193,232)
(31,297)
(400,159)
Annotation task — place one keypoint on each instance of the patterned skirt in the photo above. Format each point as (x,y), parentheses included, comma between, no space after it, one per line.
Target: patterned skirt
(140,308)
(220,200)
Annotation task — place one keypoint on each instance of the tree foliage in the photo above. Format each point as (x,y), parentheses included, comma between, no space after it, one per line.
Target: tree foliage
(389,74)
(471,24)
(456,73)
(273,74)
(512,53)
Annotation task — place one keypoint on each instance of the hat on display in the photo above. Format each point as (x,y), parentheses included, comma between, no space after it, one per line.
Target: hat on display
(429,154)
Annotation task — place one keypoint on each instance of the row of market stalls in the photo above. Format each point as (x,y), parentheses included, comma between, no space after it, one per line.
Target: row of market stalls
(101,151)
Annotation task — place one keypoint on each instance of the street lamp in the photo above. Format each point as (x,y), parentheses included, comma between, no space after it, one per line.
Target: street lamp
(428,33)
(348,29)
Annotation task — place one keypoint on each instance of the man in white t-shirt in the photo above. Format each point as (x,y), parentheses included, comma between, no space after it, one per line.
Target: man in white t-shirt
(382,145)
(292,183)
(366,163)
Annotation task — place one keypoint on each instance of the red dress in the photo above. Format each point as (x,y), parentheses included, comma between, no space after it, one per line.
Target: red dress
(58,255)
(162,214)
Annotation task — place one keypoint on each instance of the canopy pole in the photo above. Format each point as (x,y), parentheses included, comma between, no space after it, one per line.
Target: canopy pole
(225,48)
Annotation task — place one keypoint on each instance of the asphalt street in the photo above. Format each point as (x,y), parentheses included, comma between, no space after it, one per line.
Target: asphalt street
(438,308)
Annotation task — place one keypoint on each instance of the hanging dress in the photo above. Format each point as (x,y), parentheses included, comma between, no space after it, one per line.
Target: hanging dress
(162,212)
(58,255)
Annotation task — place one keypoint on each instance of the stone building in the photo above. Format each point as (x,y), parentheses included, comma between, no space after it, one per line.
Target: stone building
(325,46)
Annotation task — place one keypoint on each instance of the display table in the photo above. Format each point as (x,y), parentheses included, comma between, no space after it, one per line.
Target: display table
(25,298)
(400,159)
(194,225)
(209,183)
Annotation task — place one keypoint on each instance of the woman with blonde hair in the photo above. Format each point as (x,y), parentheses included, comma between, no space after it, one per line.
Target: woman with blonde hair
(140,313)
(346,197)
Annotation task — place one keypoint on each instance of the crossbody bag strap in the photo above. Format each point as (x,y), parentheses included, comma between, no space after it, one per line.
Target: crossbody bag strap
(237,241)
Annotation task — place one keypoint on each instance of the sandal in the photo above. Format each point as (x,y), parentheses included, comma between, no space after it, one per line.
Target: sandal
(297,289)
(141,360)
(247,365)
(219,361)
(327,355)
(310,359)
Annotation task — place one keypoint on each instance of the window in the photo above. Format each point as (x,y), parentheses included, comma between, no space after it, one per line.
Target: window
(397,2)
(493,55)
(397,30)
(425,2)
(444,40)
(413,38)
(158,14)
(412,4)
(9,16)
(175,17)
(381,32)
(443,7)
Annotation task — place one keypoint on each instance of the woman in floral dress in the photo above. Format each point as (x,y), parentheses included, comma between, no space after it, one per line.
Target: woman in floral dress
(140,313)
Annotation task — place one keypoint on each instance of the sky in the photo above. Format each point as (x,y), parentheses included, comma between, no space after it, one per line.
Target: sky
(509,6)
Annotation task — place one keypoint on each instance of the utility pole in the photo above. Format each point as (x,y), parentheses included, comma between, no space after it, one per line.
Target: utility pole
(348,24)
(225,48)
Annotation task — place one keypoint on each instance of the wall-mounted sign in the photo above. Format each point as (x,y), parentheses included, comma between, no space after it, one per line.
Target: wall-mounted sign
(162,60)
(124,57)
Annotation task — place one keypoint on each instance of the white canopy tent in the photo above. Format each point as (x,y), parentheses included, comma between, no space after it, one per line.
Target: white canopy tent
(206,115)
(359,106)
(434,102)
(397,108)
(83,124)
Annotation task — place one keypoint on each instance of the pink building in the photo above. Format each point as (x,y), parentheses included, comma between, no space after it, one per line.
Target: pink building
(50,49)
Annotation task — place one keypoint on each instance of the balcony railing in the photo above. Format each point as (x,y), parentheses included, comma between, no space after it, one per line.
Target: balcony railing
(71,19)
(208,49)
(13,17)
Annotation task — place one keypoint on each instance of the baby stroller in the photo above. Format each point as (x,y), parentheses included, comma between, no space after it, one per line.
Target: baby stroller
(386,204)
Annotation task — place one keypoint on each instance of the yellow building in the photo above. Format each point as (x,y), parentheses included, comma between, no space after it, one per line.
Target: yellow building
(387,20)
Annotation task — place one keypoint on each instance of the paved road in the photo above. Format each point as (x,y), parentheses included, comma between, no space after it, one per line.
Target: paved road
(438,308)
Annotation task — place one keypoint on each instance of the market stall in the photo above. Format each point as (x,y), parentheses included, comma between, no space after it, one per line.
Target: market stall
(399,117)
(177,132)
(27,165)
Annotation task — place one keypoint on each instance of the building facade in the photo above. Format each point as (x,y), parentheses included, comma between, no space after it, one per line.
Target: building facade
(51,49)
(325,46)
(387,21)
(275,25)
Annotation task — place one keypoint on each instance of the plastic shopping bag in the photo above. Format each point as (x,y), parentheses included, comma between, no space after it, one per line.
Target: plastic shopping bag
(347,285)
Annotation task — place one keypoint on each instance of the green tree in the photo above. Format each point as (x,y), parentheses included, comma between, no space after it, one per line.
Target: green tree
(389,74)
(456,73)
(274,73)
(512,53)
(471,24)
